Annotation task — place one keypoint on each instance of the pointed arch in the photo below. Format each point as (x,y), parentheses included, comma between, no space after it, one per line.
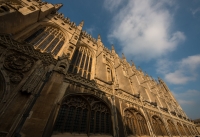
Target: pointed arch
(180,128)
(187,129)
(83,114)
(47,38)
(135,122)
(81,62)
(158,126)
(172,128)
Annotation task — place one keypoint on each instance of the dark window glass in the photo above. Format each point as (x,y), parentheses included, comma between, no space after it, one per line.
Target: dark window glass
(78,116)
(34,35)
(45,39)
(52,45)
(58,47)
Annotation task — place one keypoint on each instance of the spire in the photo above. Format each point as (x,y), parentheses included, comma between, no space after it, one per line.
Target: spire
(123,57)
(82,23)
(112,49)
(58,6)
(99,38)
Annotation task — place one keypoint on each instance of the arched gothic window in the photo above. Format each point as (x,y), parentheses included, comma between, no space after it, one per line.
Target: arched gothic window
(81,62)
(172,128)
(83,114)
(180,128)
(158,127)
(187,130)
(135,123)
(191,130)
(48,39)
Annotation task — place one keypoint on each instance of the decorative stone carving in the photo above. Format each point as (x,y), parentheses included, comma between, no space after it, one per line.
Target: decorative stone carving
(16,77)
(16,62)
(33,81)
(28,49)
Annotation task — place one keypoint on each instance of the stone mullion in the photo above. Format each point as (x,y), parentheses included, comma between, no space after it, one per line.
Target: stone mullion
(136,125)
(87,65)
(66,114)
(130,125)
(39,36)
(160,129)
(75,62)
(189,130)
(50,32)
(85,53)
(60,39)
(55,36)
(133,127)
(79,64)
(80,121)
(125,123)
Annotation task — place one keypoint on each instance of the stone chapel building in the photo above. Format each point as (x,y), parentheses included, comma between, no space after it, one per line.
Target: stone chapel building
(56,80)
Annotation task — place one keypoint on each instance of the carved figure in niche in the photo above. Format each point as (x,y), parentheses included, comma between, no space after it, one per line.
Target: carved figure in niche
(16,62)
(16,77)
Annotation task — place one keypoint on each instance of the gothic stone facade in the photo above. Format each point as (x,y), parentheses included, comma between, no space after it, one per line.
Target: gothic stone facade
(56,80)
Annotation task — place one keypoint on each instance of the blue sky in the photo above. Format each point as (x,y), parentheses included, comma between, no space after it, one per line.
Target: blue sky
(160,36)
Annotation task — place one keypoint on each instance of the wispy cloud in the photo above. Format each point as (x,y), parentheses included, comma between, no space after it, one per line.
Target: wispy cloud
(112,4)
(179,72)
(90,30)
(143,28)
(194,11)
(188,98)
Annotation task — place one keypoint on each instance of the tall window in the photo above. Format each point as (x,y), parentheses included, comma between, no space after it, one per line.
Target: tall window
(47,39)
(158,127)
(187,130)
(172,128)
(81,62)
(180,128)
(82,114)
(135,123)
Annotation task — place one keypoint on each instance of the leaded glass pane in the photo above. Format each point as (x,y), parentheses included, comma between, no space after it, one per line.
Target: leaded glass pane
(58,47)
(84,120)
(77,120)
(69,120)
(34,35)
(52,45)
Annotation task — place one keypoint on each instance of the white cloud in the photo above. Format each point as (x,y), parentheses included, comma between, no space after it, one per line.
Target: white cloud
(180,72)
(143,28)
(112,4)
(190,97)
(90,30)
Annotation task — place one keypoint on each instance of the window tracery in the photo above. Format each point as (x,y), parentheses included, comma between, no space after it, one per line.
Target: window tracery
(135,123)
(48,39)
(180,128)
(172,128)
(83,114)
(187,130)
(158,126)
(81,63)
